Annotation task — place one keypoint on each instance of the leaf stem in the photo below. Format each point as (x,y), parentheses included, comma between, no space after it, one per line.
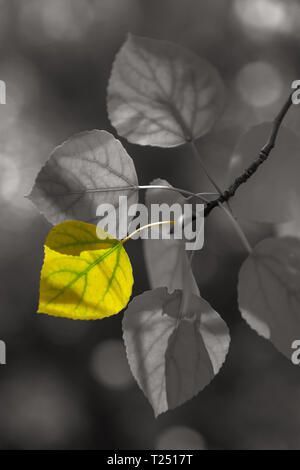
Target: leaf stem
(262,156)
(211,179)
(183,191)
(149,186)
(198,156)
(154,224)
(237,228)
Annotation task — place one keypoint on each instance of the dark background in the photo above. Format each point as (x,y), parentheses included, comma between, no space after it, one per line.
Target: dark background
(66,384)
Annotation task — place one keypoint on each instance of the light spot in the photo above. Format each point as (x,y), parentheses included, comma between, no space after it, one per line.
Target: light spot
(259,84)
(265,15)
(40,411)
(109,365)
(180,437)
(9,177)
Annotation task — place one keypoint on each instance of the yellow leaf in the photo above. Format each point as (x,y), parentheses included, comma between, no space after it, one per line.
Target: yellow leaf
(83,277)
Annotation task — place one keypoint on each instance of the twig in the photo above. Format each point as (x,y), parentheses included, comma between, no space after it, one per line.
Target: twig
(263,155)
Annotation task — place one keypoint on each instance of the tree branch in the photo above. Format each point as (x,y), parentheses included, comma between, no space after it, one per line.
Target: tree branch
(262,156)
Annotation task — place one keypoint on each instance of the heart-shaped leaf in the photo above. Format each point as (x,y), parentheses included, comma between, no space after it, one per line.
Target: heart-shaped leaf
(269,291)
(171,356)
(162,94)
(89,169)
(166,259)
(83,277)
(266,196)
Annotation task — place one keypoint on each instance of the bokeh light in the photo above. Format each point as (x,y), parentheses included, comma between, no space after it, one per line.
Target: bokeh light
(40,410)
(291,228)
(55,20)
(109,365)
(263,15)
(9,177)
(21,142)
(70,21)
(259,84)
(180,437)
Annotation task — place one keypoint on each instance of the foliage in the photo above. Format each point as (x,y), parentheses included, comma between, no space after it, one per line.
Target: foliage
(83,277)
(164,95)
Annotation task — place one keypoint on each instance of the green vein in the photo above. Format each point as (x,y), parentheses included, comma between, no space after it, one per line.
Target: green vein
(85,272)
(117,264)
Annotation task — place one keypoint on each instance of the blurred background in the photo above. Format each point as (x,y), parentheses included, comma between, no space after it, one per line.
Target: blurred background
(67,384)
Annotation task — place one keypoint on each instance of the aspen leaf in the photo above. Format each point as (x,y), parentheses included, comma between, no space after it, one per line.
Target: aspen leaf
(85,171)
(166,259)
(173,357)
(83,277)
(162,94)
(267,194)
(269,291)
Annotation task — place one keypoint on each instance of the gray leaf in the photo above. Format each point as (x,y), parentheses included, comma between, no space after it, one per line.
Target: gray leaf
(173,358)
(269,291)
(166,260)
(162,94)
(89,169)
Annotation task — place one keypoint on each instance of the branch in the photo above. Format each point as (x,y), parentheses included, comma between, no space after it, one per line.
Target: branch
(262,156)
